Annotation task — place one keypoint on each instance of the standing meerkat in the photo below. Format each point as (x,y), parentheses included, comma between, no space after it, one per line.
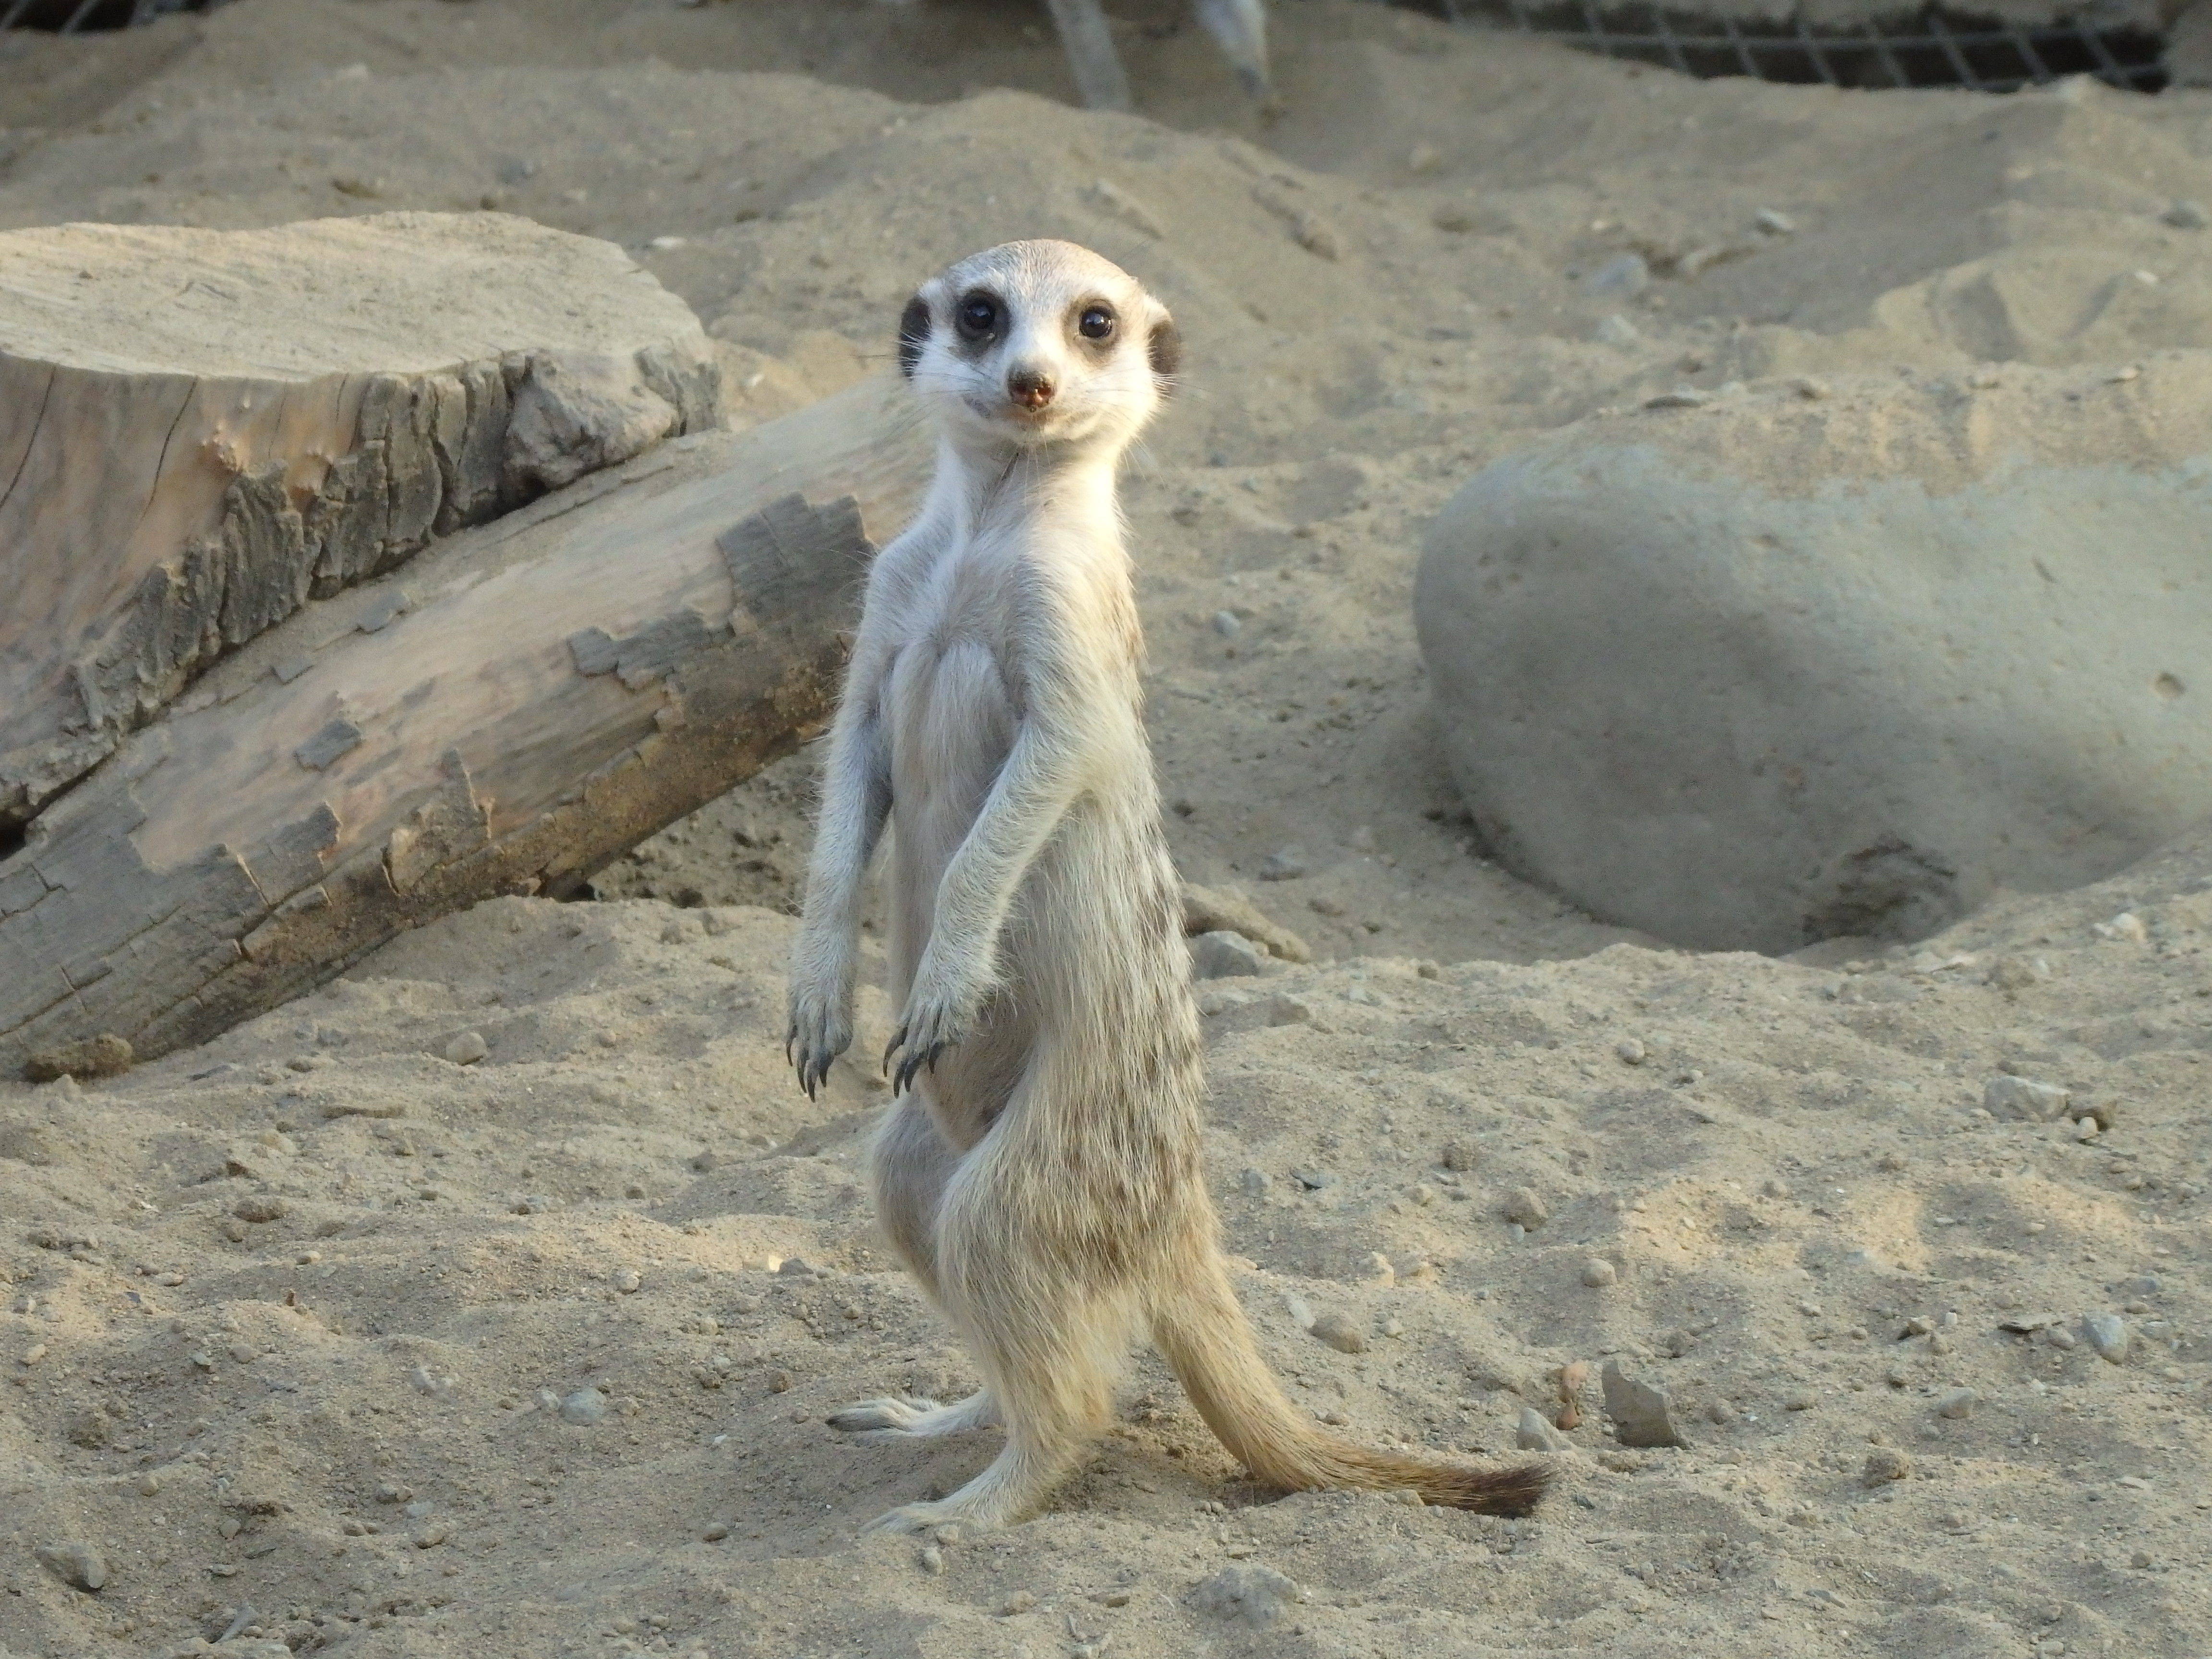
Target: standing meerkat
(1039,1169)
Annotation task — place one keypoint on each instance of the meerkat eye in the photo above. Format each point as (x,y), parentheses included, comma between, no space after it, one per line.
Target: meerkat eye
(978,317)
(1097,323)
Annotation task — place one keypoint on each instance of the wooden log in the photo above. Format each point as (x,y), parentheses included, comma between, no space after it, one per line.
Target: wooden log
(199,429)
(505,713)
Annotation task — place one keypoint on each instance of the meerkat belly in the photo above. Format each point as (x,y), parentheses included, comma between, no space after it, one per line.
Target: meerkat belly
(955,724)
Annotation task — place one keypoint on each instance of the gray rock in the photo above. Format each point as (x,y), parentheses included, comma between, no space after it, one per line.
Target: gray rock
(1621,277)
(2020,1096)
(2108,1335)
(467,1049)
(1793,669)
(584,1407)
(1252,1595)
(2187,215)
(1206,910)
(1288,864)
(1339,1333)
(1533,1433)
(1522,1205)
(1226,625)
(1598,1272)
(1225,954)
(1957,1402)
(77,1564)
(1641,1415)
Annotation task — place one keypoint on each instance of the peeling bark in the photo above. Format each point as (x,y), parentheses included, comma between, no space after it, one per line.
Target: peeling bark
(168,500)
(555,686)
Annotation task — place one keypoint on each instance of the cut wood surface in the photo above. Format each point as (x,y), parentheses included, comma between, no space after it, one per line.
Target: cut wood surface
(199,429)
(512,709)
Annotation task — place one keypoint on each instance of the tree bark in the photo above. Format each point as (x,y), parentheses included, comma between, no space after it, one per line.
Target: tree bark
(515,707)
(200,430)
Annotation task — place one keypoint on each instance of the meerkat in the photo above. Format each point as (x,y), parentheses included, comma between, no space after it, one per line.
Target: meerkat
(1038,1170)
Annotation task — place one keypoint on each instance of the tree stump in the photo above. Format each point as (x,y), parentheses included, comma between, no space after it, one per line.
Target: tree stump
(200,430)
(506,713)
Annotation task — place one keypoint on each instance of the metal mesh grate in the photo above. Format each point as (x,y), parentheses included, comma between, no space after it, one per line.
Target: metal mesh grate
(81,16)
(1932,48)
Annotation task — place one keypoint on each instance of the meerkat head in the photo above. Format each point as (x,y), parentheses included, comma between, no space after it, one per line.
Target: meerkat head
(1036,344)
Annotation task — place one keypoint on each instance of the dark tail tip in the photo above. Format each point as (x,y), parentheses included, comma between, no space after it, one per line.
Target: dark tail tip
(1515,1490)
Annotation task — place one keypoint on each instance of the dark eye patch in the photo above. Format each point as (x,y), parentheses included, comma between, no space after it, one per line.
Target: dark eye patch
(980,316)
(913,335)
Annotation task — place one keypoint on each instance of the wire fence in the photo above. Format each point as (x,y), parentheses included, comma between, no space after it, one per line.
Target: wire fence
(1934,47)
(82,16)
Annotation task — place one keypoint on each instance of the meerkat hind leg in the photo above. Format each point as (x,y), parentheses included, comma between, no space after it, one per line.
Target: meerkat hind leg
(903,1417)
(1050,1356)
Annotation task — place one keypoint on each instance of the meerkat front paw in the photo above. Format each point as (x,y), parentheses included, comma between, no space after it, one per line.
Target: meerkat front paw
(821,1030)
(938,1014)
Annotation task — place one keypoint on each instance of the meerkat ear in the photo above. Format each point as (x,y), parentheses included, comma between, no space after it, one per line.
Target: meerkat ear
(914,331)
(1163,348)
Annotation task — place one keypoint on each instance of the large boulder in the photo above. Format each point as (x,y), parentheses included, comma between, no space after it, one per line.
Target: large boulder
(1824,661)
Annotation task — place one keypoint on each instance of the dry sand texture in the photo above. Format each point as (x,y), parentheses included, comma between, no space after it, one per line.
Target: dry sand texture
(330,1336)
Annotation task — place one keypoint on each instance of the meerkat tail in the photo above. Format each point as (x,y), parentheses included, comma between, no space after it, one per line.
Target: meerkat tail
(1208,1344)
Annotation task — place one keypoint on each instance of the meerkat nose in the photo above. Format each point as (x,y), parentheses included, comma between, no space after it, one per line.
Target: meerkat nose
(1032,388)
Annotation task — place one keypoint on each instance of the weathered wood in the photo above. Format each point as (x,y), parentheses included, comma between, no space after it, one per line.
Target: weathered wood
(199,429)
(517,706)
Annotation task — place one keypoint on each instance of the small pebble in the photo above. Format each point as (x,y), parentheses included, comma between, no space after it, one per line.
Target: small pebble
(1522,1205)
(1226,625)
(1460,1155)
(585,1406)
(1339,1333)
(932,1559)
(259,1207)
(1883,1465)
(1533,1433)
(1598,1272)
(2024,1097)
(467,1049)
(626,1280)
(2108,1334)
(1020,1602)
(1641,1415)
(1288,864)
(1956,1402)
(77,1564)
(1774,222)
(1631,1051)
(2186,214)
(717,1533)
(1800,1400)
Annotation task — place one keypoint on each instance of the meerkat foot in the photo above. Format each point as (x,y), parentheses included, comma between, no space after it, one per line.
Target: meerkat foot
(905,1417)
(821,1029)
(1003,1494)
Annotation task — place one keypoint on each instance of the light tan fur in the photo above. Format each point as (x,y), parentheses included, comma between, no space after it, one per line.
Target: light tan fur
(1039,1170)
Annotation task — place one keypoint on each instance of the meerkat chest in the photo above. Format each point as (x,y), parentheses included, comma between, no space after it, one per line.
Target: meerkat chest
(954,687)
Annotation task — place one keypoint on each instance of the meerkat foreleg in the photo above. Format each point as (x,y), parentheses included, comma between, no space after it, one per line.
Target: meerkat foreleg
(958,968)
(856,802)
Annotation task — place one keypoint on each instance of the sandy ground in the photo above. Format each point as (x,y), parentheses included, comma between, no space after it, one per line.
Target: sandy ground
(292,1318)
